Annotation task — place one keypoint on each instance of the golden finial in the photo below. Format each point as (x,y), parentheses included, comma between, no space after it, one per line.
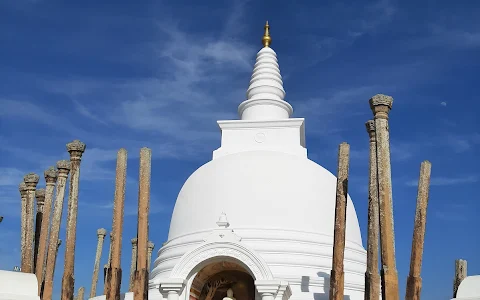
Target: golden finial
(266,40)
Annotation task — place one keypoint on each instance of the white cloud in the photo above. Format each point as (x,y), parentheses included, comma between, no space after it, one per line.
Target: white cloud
(443,103)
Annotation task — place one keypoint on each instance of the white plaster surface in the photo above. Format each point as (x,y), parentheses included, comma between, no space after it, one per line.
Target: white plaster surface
(265,94)
(280,205)
(18,286)
(469,289)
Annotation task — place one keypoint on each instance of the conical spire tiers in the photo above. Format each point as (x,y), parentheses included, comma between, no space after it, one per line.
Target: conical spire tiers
(265,94)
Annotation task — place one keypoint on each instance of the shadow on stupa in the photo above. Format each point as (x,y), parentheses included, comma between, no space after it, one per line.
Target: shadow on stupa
(326,287)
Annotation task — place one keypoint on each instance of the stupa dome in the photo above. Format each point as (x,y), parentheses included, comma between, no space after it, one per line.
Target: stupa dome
(261,190)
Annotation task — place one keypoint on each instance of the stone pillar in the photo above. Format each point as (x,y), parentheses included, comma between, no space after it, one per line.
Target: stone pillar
(50,179)
(101,233)
(460,274)
(414,281)
(381,106)
(63,167)
(337,274)
(141,274)
(106,267)
(151,246)
(40,196)
(171,288)
(59,243)
(23,195)
(81,293)
(31,181)
(114,276)
(372,276)
(75,149)
(133,264)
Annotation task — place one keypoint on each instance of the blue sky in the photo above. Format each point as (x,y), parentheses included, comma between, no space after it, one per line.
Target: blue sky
(158,74)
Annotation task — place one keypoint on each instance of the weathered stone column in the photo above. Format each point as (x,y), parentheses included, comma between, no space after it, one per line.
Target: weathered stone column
(23,195)
(372,277)
(31,181)
(50,179)
(59,243)
(414,280)
(337,274)
(133,264)
(114,277)
(81,293)
(63,167)
(141,274)
(75,149)
(101,233)
(151,246)
(460,274)
(381,106)
(40,196)
(106,267)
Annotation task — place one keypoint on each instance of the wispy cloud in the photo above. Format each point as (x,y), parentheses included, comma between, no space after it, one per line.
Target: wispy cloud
(11,176)
(327,112)
(23,109)
(443,36)
(452,213)
(353,21)
(179,107)
(446,181)
(462,142)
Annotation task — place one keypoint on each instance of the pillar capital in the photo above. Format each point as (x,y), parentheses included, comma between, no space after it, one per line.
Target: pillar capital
(370,126)
(63,167)
(31,181)
(50,175)
(22,187)
(268,289)
(101,232)
(381,105)
(134,241)
(171,288)
(76,149)
(151,245)
(40,196)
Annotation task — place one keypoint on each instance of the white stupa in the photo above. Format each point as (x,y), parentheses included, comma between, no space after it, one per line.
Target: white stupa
(259,217)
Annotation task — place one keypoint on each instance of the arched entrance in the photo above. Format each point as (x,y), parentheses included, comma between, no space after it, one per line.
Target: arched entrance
(213,281)
(221,255)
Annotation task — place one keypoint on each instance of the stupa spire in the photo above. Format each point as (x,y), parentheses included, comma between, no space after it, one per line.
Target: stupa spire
(265,94)
(266,40)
